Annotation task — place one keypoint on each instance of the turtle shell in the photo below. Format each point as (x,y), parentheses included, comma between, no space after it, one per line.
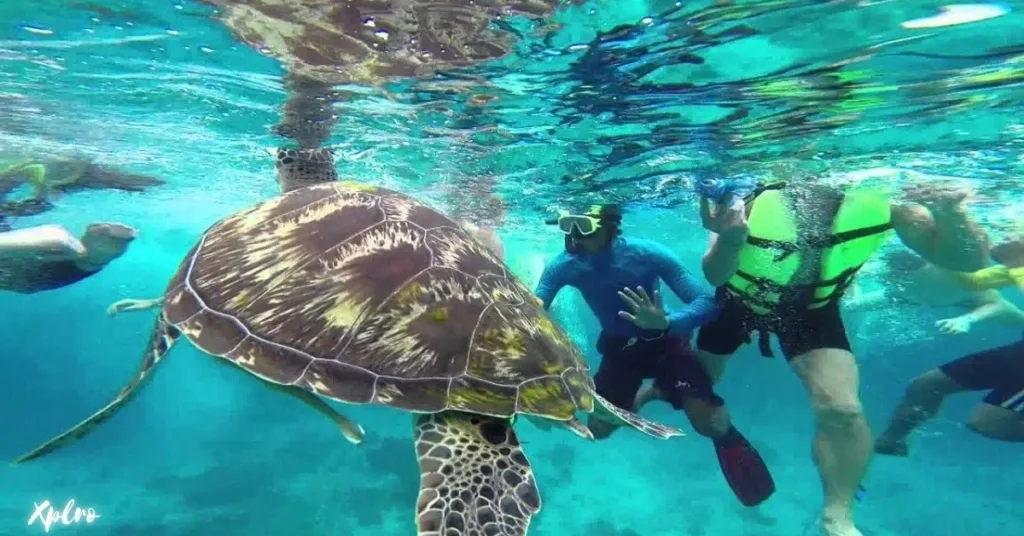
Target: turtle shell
(364,295)
(371,41)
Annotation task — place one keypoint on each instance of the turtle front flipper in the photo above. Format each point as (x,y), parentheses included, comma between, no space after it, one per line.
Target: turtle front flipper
(160,343)
(474,477)
(606,411)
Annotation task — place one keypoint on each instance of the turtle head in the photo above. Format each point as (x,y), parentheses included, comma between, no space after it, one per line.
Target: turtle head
(298,168)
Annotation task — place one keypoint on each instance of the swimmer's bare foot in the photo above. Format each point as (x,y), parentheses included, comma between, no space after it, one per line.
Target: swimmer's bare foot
(111,231)
(892,447)
(105,242)
(841,527)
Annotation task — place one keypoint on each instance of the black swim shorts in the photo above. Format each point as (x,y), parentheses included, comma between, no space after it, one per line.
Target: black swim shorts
(668,360)
(35,277)
(999,370)
(800,330)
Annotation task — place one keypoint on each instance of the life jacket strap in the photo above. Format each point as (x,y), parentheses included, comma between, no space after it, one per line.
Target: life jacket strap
(788,248)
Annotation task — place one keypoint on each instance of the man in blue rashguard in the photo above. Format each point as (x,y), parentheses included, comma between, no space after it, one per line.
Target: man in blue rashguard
(645,342)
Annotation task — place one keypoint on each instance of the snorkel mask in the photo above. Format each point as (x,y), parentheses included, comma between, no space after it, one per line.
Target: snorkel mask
(576,226)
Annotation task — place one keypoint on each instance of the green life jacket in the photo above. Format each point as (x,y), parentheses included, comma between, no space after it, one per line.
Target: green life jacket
(771,256)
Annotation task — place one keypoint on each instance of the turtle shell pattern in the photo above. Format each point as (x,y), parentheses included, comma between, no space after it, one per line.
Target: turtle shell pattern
(372,41)
(364,295)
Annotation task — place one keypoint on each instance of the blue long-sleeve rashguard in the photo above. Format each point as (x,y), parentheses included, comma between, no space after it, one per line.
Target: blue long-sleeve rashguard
(629,262)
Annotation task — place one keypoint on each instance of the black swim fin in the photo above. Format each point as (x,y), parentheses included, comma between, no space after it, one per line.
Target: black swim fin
(744,469)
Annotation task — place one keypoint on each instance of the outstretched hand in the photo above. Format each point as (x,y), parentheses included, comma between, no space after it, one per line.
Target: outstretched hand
(645,313)
(954,326)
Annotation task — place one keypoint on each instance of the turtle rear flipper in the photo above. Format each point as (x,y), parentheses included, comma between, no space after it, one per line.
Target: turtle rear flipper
(474,477)
(160,343)
(606,411)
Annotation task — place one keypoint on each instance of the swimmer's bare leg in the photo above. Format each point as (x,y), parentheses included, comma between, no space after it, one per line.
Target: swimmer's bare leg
(44,242)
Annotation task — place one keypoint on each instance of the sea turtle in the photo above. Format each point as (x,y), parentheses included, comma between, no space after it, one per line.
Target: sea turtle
(372,41)
(364,295)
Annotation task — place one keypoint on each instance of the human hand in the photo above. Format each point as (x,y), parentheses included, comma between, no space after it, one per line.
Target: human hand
(646,313)
(955,326)
(728,222)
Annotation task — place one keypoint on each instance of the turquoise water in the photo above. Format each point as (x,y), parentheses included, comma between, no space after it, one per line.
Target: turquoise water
(595,102)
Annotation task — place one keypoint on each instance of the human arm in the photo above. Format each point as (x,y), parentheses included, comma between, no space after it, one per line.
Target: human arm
(721,260)
(700,307)
(935,224)
(728,232)
(987,306)
(552,280)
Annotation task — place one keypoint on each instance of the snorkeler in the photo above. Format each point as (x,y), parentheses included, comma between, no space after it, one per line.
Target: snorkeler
(55,175)
(645,341)
(1000,371)
(781,257)
(48,257)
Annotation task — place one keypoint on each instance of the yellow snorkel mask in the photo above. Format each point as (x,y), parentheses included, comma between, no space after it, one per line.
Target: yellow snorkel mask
(584,224)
